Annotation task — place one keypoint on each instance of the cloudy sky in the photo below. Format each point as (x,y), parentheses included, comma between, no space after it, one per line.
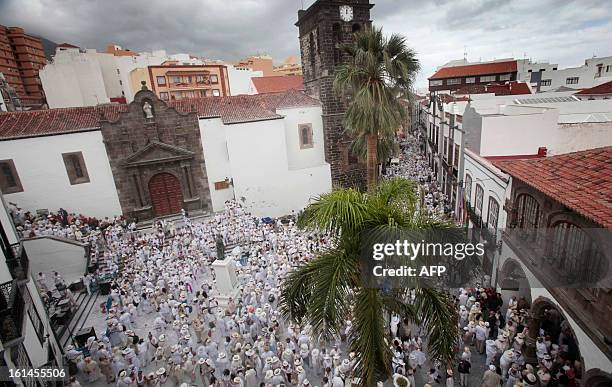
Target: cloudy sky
(561,31)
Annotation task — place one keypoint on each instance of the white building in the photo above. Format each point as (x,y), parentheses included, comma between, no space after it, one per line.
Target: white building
(496,126)
(27,339)
(545,76)
(240,79)
(266,151)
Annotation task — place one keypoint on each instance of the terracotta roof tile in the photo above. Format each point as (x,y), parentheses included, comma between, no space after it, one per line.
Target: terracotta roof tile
(242,108)
(476,69)
(245,108)
(53,121)
(275,84)
(507,88)
(582,181)
(603,89)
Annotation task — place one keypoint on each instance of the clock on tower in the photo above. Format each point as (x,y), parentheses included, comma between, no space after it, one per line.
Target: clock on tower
(346,13)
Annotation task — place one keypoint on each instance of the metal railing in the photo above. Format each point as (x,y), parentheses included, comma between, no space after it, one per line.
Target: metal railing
(12,307)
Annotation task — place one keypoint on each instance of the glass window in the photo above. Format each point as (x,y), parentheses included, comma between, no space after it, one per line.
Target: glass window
(176,79)
(468,188)
(487,78)
(571,80)
(214,78)
(75,168)
(163,95)
(305,133)
(546,82)
(479,198)
(216,93)
(470,80)
(435,82)
(493,213)
(161,81)
(453,81)
(504,77)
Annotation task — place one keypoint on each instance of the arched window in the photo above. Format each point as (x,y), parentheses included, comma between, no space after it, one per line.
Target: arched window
(492,213)
(478,199)
(305,133)
(468,188)
(576,255)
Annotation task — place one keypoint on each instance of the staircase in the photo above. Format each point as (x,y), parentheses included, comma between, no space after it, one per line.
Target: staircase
(85,304)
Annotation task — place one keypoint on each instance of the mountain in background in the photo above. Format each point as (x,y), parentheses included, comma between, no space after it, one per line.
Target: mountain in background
(49,47)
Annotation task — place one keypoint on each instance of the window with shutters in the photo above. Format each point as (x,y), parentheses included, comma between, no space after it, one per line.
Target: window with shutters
(468,188)
(9,180)
(493,213)
(478,199)
(75,167)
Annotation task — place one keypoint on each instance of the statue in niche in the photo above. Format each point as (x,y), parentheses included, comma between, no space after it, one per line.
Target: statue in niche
(148,110)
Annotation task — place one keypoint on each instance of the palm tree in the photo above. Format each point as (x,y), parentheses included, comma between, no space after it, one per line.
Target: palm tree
(379,72)
(333,287)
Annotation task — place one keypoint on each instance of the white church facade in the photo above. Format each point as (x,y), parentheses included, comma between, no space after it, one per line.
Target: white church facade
(150,159)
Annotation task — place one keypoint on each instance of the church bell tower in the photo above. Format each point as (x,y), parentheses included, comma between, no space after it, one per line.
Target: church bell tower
(323,26)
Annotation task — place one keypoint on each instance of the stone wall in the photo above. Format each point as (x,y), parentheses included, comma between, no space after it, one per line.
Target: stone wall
(139,147)
(320,30)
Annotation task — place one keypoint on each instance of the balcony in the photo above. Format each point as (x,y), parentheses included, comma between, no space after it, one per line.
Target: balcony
(19,263)
(12,307)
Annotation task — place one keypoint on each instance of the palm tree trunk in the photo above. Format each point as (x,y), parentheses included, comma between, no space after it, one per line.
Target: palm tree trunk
(372,162)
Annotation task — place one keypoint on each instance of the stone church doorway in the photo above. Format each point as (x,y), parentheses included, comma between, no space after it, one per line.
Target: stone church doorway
(166,194)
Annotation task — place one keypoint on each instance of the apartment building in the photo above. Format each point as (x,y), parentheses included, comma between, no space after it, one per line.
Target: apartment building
(171,81)
(454,77)
(21,58)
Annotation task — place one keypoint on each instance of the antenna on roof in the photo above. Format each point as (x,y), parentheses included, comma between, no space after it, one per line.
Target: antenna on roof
(465,54)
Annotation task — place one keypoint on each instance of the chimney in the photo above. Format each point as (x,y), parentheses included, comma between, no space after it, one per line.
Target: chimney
(542,151)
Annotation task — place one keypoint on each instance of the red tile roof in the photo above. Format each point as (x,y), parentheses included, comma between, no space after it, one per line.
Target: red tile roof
(67,45)
(603,89)
(236,109)
(476,69)
(245,108)
(508,88)
(582,181)
(55,121)
(275,84)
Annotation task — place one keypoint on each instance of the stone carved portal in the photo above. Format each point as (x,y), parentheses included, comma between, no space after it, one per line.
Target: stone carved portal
(157,159)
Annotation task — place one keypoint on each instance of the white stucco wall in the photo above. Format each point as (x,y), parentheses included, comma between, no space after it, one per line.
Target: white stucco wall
(517,134)
(214,145)
(309,157)
(254,155)
(73,81)
(42,172)
(493,182)
(126,64)
(579,137)
(240,80)
(108,68)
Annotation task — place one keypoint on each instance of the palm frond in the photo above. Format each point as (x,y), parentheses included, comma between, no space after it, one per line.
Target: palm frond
(368,339)
(335,212)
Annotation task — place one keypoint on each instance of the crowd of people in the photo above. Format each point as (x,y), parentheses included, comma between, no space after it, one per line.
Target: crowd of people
(412,165)
(165,324)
